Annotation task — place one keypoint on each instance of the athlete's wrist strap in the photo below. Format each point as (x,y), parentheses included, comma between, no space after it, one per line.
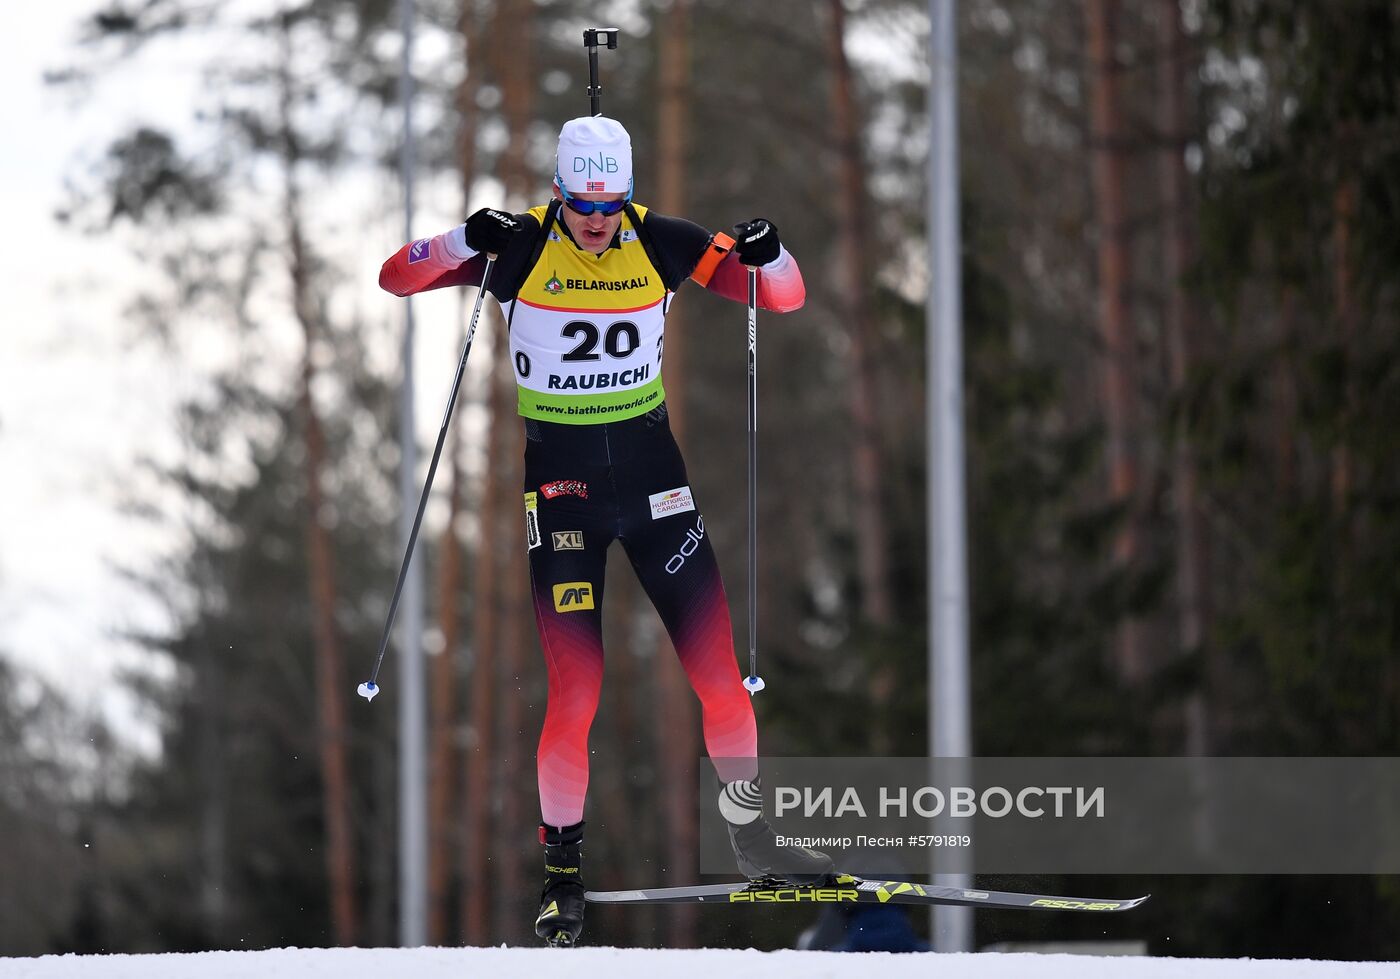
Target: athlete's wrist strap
(719,246)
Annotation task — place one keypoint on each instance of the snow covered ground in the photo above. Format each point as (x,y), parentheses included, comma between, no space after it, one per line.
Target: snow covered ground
(632,963)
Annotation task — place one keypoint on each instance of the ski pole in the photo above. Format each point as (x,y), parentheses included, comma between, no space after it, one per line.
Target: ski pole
(753,683)
(591,42)
(369,688)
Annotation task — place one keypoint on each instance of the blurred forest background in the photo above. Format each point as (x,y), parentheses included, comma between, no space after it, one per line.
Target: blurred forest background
(1180,225)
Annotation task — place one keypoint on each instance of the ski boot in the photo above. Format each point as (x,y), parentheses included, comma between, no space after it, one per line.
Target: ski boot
(561,902)
(756,847)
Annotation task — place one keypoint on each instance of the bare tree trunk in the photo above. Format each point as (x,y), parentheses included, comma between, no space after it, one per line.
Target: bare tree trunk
(672,126)
(867,457)
(677,719)
(381,926)
(867,454)
(516,37)
(1108,150)
(214,785)
(1345,201)
(515,27)
(444,766)
(1344,204)
(515,750)
(1181,328)
(464,99)
(1284,420)
(479,800)
(443,762)
(330,684)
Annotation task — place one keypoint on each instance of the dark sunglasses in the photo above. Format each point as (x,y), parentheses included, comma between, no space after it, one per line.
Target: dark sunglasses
(605,208)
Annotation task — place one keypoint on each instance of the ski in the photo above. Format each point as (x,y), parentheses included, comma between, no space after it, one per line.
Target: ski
(856,890)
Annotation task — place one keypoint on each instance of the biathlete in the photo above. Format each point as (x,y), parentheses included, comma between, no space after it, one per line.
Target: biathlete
(585,283)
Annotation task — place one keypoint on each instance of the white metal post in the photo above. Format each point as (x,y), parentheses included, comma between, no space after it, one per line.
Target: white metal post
(949,722)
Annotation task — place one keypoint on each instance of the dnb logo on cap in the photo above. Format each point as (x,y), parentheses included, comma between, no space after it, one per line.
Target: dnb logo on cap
(419,251)
(602,163)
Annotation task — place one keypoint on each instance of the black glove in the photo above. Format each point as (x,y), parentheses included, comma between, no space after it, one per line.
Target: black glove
(756,242)
(490,231)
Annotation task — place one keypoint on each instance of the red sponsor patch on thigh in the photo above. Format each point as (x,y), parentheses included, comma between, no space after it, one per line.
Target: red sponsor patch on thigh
(565,487)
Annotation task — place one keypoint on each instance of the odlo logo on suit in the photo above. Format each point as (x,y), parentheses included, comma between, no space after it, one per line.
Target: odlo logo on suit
(688,546)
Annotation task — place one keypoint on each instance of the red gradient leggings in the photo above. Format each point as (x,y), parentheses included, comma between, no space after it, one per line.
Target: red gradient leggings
(586,486)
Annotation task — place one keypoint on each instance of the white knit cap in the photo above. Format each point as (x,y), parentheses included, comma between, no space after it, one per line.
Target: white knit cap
(595,156)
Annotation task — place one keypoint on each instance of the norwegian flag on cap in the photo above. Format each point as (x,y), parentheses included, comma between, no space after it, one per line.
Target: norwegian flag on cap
(595,187)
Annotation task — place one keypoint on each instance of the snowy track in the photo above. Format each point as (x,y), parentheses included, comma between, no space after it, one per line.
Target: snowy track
(588,963)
